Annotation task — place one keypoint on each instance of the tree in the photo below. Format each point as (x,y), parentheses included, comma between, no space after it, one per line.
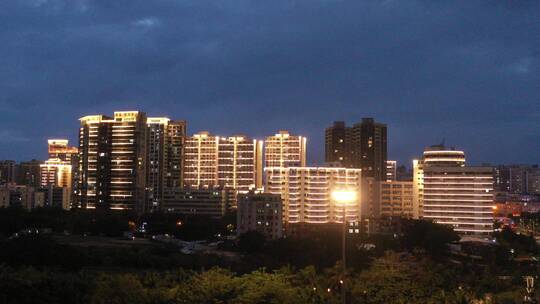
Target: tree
(395,278)
(260,287)
(119,289)
(216,286)
(433,238)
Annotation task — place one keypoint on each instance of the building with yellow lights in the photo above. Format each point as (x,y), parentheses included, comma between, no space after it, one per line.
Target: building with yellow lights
(461,197)
(450,193)
(436,155)
(59,148)
(56,172)
(285,150)
(306,193)
(391,170)
(112,161)
(233,162)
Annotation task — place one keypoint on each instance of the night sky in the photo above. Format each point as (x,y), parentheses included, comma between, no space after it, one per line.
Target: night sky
(465,71)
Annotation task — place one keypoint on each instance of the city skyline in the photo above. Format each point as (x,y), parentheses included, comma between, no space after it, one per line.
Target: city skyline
(428,70)
(288,151)
(315,156)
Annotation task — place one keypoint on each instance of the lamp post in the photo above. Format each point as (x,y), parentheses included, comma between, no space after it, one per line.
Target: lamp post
(344,197)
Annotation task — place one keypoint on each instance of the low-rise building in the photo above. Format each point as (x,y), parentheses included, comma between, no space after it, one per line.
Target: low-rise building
(52,196)
(204,202)
(262,212)
(12,195)
(396,198)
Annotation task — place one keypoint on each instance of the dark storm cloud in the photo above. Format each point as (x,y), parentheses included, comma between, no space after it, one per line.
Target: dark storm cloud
(465,71)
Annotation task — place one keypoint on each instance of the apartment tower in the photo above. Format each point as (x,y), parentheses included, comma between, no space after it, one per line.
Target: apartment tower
(285,150)
(233,163)
(112,161)
(338,149)
(306,193)
(460,197)
(450,193)
(165,158)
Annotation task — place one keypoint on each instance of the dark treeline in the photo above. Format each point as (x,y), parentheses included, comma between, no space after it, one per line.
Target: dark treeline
(391,278)
(414,266)
(111,223)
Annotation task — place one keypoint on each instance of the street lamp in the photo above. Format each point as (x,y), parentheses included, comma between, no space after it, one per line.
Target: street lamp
(344,197)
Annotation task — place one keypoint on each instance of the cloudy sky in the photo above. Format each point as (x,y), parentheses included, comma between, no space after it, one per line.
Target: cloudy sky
(465,71)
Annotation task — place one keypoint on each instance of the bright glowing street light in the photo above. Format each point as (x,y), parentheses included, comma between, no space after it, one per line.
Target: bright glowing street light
(344,196)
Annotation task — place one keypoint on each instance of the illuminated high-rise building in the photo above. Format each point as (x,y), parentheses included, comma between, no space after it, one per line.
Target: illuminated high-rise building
(440,156)
(306,193)
(460,197)
(285,150)
(233,162)
(201,160)
(165,155)
(112,161)
(362,146)
(240,163)
(391,170)
(434,156)
(56,172)
(450,193)
(59,148)
(418,188)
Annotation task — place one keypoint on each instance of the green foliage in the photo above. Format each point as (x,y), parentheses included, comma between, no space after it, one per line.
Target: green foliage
(29,286)
(215,286)
(261,287)
(119,289)
(392,280)
(72,269)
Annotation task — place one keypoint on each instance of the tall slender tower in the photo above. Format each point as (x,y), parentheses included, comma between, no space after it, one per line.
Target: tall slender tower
(59,150)
(201,160)
(369,146)
(362,146)
(112,161)
(239,165)
(338,144)
(165,156)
